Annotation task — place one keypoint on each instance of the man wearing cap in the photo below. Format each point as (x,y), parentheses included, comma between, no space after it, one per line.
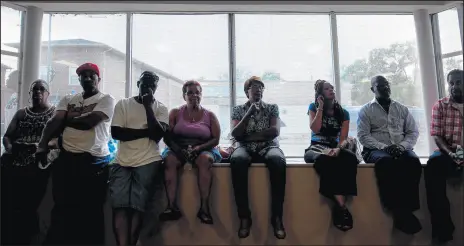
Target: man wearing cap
(138,123)
(79,174)
(256,128)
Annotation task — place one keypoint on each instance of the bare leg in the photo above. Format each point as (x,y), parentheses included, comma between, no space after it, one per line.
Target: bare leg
(136,226)
(204,163)
(170,172)
(121,226)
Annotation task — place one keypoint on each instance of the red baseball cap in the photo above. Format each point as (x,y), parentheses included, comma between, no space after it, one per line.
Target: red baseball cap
(88,66)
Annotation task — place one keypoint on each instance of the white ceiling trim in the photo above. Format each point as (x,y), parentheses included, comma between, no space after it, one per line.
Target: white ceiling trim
(239,6)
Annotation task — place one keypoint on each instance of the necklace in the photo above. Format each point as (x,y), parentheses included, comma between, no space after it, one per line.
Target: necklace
(192,116)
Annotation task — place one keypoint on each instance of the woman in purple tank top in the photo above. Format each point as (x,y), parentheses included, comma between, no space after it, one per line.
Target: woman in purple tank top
(193,137)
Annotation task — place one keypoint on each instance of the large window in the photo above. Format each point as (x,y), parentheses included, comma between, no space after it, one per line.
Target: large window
(10,33)
(11,28)
(180,48)
(289,52)
(450,41)
(67,42)
(9,90)
(385,45)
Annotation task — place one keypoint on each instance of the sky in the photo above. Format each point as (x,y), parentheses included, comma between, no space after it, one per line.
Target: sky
(194,46)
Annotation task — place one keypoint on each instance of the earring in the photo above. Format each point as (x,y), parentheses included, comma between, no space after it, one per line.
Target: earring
(30,97)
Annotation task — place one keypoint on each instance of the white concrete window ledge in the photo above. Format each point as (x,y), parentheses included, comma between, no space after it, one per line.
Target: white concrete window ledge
(299,162)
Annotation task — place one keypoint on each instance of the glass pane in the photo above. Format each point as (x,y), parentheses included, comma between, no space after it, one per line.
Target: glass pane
(289,52)
(385,45)
(67,42)
(449,64)
(448,23)
(180,48)
(9,91)
(11,28)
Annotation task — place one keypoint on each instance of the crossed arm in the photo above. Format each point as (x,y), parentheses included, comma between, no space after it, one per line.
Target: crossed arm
(60,120)
(156,130)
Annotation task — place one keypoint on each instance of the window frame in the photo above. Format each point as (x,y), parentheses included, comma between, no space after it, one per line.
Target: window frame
(232,47)
(439,56)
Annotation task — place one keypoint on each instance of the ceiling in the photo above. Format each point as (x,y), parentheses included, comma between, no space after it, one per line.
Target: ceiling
(238,6)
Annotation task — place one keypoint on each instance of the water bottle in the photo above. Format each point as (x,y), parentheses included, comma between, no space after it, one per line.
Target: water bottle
(459,155)
(188,165)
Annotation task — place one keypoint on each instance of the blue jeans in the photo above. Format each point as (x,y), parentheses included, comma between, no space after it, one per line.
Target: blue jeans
(397,179)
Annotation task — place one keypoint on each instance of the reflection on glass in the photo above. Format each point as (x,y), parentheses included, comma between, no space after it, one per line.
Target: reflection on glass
(68,43)
(385,45)
(9,91)
(185,47)
(11,28)
(448,24)
(289,53)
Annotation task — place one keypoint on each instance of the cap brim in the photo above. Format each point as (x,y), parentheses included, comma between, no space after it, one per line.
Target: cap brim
(78,72)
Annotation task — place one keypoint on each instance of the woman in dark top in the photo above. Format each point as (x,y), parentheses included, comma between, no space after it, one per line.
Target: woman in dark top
(23,182)
(332,152)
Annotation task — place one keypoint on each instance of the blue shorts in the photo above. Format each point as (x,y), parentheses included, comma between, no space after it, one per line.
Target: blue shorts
(214,153)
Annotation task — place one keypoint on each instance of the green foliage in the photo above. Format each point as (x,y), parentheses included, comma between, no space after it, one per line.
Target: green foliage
(398,63)
(452,63)
(270,76)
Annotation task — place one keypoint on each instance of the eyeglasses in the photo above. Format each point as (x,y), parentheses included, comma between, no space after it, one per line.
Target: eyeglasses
(191,93)
(256,87)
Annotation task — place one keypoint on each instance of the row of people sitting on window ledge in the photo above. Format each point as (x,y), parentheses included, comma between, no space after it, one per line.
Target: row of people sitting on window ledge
(80,172)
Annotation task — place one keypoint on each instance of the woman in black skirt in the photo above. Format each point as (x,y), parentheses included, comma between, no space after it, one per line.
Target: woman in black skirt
(332,152)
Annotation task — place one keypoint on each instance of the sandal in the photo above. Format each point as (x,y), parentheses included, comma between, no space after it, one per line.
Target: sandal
(342,219)
(205,217)
(170,214)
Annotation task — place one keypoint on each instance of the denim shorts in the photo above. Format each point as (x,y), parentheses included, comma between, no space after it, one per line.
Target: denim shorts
(132,187)
(214,153)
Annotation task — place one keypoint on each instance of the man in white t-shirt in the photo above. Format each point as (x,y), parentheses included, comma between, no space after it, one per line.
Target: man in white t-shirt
(139,123)
(80,173)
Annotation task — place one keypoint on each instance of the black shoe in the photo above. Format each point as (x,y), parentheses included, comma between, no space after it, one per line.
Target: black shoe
(341,218)
(443,235)
(407,223)
(170,214)
(442,239)
(279,229)
(205,217)
(245,227)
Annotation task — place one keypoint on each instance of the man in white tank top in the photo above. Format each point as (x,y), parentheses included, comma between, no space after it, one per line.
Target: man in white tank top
(80,173)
